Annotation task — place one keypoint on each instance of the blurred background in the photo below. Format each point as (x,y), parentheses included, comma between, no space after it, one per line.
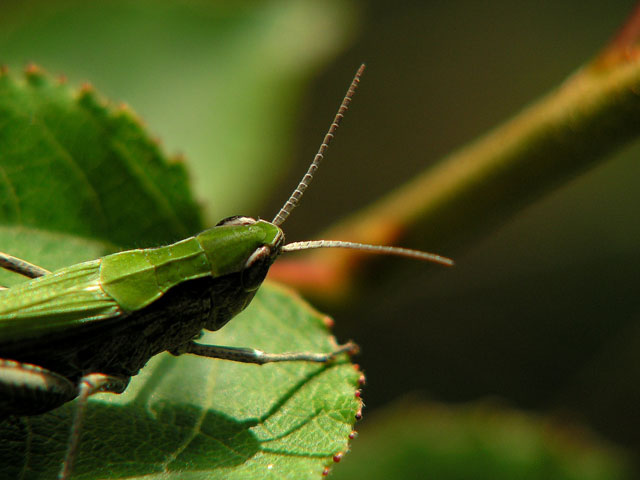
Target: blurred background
(525,353)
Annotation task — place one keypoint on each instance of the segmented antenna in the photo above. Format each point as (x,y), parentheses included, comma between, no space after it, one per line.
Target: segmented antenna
(402,252)
(306,180)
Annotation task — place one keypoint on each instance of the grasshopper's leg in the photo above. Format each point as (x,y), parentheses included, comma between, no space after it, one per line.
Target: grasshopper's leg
(88,385)
(27,389)
(251,355)
(22,267)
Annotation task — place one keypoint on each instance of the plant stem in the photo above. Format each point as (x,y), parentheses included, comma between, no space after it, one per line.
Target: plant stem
(592,114)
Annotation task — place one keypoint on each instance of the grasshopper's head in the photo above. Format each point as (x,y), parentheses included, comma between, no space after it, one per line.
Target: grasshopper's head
(246,246)
(242,245)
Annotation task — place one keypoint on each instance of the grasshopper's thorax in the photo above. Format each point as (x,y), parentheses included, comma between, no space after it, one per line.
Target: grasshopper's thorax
(242,245)
(239,245)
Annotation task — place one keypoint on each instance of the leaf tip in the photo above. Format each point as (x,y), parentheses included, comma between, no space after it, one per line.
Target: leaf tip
(87,97)
(328,321)
(124,110)
(358,396)
(127,119)
(87,94)
(34,74)
(178,159)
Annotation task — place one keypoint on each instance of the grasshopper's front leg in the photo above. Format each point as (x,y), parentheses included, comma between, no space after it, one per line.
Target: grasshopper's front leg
(17,265)
(252,355)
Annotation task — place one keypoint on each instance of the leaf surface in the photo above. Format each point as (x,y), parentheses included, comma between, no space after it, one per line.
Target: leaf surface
(193,417)
(78,179)
(71,163)
(220,82)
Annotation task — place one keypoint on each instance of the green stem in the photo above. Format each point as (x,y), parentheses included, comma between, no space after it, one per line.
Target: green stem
(589,116)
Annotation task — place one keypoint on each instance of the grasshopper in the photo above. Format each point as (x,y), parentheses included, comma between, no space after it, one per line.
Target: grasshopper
(90,327)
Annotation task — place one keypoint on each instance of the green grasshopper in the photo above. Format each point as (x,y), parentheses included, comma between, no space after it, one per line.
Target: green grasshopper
(90,327)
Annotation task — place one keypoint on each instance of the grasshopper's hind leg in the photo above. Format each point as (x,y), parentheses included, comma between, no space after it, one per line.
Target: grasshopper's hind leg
(27,389)
(88,385)
(22,267)
(251,355)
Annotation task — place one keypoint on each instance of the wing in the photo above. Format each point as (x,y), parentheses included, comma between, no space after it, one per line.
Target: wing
(59,302)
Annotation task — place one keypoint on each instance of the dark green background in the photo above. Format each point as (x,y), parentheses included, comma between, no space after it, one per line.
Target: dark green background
(543,312)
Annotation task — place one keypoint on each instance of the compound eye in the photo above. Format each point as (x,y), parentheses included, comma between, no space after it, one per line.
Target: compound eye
(256,269)
(236,220)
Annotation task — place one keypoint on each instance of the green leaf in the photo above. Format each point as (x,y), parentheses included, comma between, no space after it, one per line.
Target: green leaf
(78,177)
(193,417)
(71,163)
(219,81)
(47,249)
(478,441)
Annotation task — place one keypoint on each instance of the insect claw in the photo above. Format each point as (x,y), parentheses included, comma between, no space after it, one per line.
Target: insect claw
(350,348)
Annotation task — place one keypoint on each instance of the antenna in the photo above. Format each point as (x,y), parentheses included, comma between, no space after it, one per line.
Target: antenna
(382,249)
(306,180)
